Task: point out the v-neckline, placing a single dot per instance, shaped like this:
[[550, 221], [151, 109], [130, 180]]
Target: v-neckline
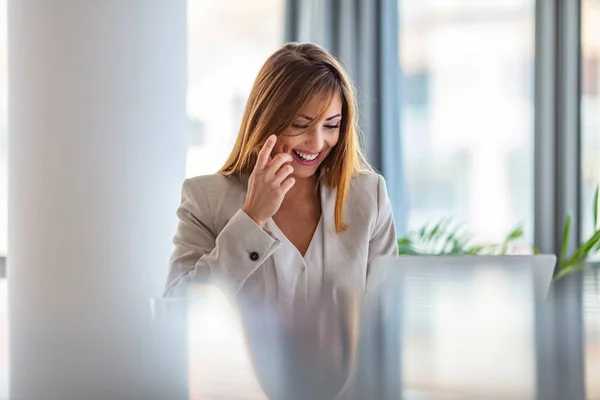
[[319, 226], [312, 239]]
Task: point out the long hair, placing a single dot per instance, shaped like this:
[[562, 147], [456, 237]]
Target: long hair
[[287, 81]]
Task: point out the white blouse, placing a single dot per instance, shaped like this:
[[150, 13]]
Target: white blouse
[[306, 272]]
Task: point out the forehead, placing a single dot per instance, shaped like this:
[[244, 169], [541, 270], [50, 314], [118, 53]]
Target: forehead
[[326, 104]]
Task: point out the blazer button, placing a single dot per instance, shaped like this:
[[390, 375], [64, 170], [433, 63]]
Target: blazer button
[[254, 256]]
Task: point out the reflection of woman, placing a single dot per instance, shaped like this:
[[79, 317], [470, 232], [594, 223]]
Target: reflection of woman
[[296, 207], [308, 356]]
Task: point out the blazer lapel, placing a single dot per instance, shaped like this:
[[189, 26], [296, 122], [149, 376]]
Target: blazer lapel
[[341, 253], [328, 213]]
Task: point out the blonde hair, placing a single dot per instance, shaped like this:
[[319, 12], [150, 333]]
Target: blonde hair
[[287, 81]]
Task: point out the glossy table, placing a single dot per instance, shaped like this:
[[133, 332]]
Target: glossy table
[[443, 333]]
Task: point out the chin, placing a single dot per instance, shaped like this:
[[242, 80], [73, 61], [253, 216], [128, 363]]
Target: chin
[[303, 172], [304, 175]]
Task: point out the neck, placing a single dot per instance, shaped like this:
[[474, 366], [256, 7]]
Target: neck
[[304, 188]]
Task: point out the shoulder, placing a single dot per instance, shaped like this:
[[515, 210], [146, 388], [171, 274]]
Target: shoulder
[[215, 189], [370, 202], [366, 198], [368, 178], [367, 187], [215, 183]]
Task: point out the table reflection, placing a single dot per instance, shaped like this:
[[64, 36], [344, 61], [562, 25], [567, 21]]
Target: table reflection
[[291, 351], [591, 316], [484, 331], [468, 332], [3, 340]]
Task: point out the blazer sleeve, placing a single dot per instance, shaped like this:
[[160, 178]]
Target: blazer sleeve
[[204, 255], [383, 239]]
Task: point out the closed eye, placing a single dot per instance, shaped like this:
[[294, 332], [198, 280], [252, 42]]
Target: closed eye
[[330, 127]]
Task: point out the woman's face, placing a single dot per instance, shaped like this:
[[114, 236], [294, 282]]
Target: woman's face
[[310, 145]]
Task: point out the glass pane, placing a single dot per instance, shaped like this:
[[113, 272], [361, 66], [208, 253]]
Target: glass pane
[[590, 169], [467, 113], [591, 311], [4, 378], [228, 41], [590, 111], [3, 131]]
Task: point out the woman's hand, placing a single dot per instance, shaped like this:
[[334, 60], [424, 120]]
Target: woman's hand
[[268, 183]]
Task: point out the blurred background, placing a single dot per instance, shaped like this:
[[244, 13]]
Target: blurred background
[[466, 108], [465, 112]]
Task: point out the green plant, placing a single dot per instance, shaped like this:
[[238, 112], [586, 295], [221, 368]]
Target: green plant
[[574, 262], [449, 238]]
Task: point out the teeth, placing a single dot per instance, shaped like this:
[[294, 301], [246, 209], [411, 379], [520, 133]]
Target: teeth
[[306, 157]]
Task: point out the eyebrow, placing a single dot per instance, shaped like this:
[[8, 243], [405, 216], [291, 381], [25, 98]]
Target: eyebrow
[[328, 119]]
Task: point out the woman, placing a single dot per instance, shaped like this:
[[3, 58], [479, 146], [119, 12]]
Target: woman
[[295, 208]]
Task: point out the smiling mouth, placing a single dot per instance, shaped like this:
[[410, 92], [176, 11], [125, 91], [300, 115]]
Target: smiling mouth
[[305, 156]]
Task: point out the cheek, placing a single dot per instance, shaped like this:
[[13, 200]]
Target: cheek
[[334, 138], [332, 142], [291, 141], [283, 145]]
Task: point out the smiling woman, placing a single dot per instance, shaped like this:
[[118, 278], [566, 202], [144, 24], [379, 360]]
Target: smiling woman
[[296, 207]]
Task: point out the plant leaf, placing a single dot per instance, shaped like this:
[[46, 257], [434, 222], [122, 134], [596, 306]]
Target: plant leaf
[[565, 242], [595, 203], [422, 231], [435, 229], [517, 233], [448, 240], [457, 247], [475, 250], [437, 243], [582, 253], [406, 246], [567, 271], [408, 251], [404, 241]]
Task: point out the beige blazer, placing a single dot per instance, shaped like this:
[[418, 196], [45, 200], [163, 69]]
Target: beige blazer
[[217, 242]]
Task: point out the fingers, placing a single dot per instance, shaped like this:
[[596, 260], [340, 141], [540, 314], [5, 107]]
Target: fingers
[[283, 173], [287, 184], [278, 161], [265, 153]]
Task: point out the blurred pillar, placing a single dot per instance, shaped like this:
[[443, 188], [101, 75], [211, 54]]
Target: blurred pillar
[[557, 122], [97, 116]]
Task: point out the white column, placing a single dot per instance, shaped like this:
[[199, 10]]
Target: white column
[[96, 159]]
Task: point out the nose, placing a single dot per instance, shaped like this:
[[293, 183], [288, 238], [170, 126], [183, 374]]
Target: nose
[[316, 139]]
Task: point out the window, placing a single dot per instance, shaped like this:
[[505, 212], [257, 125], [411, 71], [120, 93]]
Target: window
[[3, 130], [467, 113], [4, 378], [228, 41], [590, 169], [590, 111]]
